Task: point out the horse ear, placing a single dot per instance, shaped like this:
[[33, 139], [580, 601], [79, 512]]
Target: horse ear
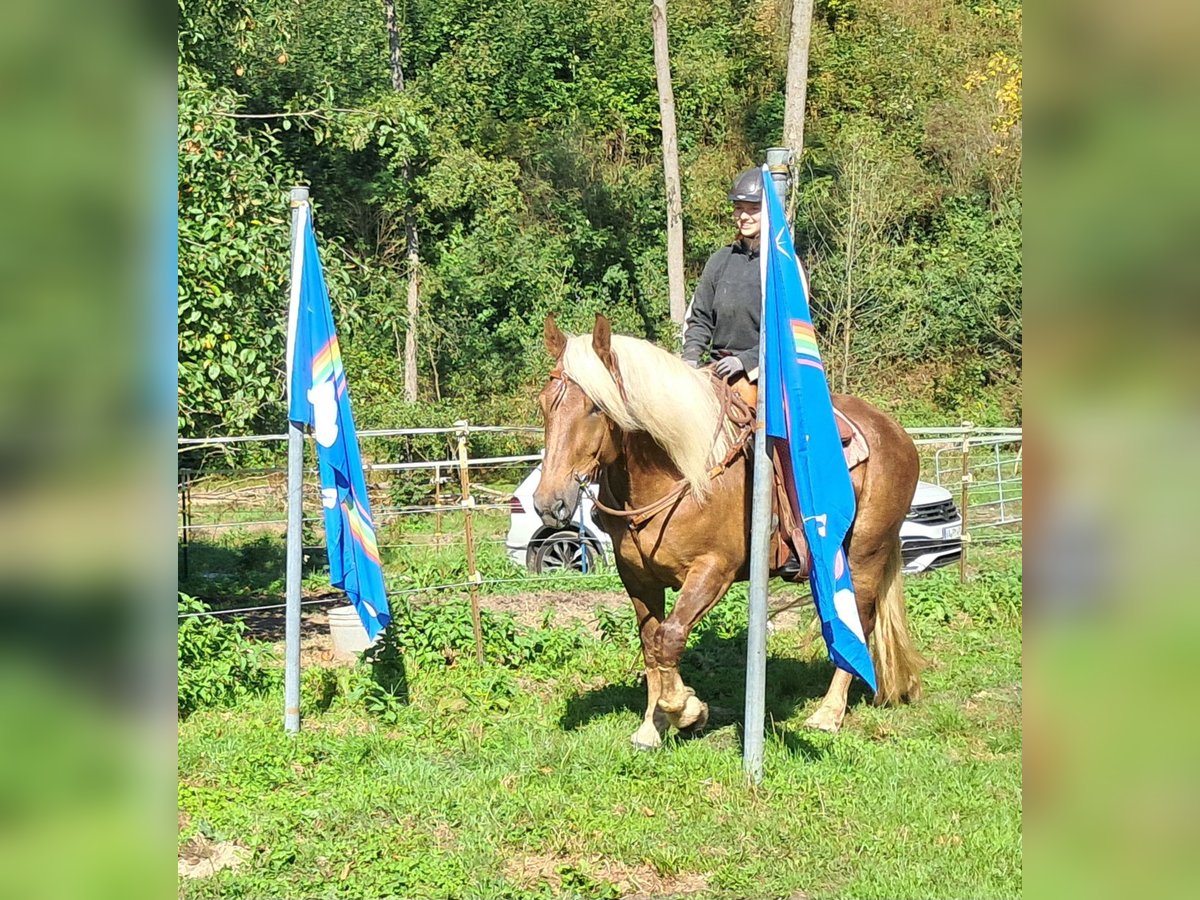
[[602, 341], [556, 341]]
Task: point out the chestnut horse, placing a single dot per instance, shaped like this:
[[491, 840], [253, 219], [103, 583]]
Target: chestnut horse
[[647, 426]]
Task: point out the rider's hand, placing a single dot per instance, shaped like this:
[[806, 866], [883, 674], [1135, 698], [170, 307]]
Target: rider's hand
[[729, 366], [694, 363]]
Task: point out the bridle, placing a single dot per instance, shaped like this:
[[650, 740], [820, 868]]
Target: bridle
[[733, 409], [563, 379]]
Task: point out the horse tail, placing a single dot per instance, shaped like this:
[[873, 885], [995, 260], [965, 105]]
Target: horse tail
[[898, 665]]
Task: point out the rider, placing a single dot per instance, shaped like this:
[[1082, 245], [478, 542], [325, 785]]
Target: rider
[[722, 320]]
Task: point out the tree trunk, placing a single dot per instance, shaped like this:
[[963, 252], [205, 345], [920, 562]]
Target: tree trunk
[[797, 86], [412, 259], [666, 108], [389, 12], [413, 309]]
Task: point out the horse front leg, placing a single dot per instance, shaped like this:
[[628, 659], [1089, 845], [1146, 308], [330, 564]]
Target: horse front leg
[[705, 584], [648, 605]]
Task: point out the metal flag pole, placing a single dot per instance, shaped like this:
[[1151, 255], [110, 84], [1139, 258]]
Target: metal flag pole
[[295, 482], [756, 632], [760, 517]]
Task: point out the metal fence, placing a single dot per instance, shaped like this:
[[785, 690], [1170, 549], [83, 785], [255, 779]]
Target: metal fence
[[980, 466]]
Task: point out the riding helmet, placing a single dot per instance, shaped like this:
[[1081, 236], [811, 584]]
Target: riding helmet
[[748, 187]]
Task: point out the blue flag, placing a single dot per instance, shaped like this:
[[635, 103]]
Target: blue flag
[[800, 413], [318, 397]]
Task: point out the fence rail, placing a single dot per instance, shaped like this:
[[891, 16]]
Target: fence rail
[[979, 465]]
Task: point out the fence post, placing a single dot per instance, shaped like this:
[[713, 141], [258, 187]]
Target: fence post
[[437, 506], [464, 480], [186, 511], [966, 485]]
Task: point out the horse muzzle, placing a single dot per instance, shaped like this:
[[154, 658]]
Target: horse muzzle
[[556, 508]]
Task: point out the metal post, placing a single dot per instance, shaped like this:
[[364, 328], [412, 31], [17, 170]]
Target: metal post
[[779, 161], [756, 632], [186, 503], [760, 537], [295, 470], [437, 505], [468, 501], [966, 484], [999, 480]]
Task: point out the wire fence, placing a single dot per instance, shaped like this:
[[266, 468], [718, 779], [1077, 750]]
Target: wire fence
[[424, 508]]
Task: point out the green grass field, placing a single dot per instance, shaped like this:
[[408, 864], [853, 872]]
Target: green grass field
[[516, 779]]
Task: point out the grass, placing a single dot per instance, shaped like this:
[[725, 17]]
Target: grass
[[520, 782]]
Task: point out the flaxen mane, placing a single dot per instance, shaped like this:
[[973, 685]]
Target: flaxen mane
[[664, 397]]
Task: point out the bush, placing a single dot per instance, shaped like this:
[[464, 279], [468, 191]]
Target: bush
[[442, 633], [218, 665]]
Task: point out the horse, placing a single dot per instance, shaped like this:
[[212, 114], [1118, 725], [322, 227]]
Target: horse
[[651, 431]]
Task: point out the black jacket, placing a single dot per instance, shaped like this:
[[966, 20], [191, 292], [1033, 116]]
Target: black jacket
[[723, 315]]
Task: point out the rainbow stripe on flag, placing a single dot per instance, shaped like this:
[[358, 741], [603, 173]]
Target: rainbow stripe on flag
[[327, 366], [805, 339]]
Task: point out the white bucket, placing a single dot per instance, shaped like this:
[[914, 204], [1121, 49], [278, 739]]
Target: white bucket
[[349, 636]]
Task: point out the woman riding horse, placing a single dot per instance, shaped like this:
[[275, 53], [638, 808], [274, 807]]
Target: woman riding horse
[[651, 430]]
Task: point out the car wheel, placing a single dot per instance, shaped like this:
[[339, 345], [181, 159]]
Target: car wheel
[[563, 550]]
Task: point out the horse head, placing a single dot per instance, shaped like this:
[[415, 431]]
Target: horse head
[[580, 437]]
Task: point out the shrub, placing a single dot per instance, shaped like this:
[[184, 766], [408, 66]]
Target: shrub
[[218, 665]]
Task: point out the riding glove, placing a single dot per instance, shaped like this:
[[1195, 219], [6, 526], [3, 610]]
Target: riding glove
[[729, 366]]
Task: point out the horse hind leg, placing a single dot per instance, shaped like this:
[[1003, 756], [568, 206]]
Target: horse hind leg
[[879, 592], [869, 574], [649, 611], [829, 715]]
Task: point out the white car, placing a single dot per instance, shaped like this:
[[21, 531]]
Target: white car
[[931, 535]]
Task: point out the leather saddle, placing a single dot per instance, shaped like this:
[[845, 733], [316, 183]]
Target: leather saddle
[[789, 554]]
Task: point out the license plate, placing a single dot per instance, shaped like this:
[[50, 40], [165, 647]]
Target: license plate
[[951, 531]]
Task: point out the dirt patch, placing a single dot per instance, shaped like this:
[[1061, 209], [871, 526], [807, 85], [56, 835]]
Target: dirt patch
[[640, 882], [567, 607], [201, 858], [316, 643]]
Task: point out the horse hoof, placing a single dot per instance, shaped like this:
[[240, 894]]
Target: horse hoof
[[675, 705], [823, 722], [695, 719], [693, 711], [648, 737]]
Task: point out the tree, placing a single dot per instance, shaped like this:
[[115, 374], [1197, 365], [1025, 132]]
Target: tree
[[233, 264], [666, 106], [412, 256], [876, 187], [797, 83]]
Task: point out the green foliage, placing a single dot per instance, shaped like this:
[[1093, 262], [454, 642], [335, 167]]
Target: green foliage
[[497, 782], [525, 148], [218, 665], [233, 263], [617, 625], [442, 634], [993, 595]]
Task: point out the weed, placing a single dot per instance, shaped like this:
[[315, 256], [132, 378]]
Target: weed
[[218, 665]]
